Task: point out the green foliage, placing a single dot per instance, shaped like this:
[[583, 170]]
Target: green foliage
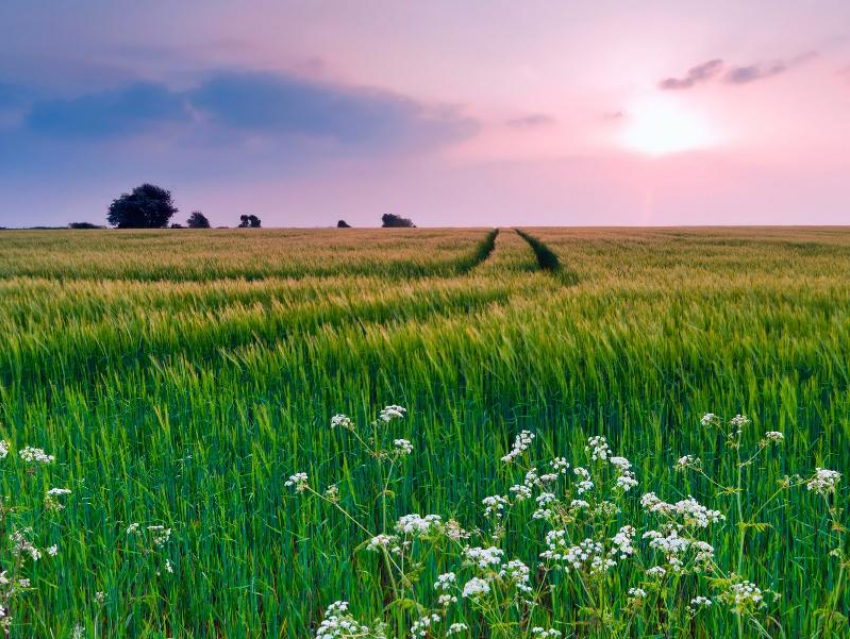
[[147, 207], [198, 220]]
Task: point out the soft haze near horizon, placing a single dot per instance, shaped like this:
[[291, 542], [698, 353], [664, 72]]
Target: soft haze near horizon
[[452, 113]]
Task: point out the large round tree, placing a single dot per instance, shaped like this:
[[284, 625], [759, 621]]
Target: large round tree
[[147, 207]]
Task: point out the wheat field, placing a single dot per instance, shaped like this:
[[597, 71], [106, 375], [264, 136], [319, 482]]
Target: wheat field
[[182, 378]]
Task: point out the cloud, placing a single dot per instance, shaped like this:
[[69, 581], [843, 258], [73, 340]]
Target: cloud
[[531, 121], [754, 72], [128, 110], [291, 105], [613, 116], [260, 106], [744, 74], [696, 75]]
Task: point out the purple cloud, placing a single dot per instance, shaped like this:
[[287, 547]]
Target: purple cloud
[[696, 75], [754, 72], [530, 121], [744, 74]]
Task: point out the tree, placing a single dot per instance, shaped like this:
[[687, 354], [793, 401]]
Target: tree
[[147, 207], [198, 221], [391, 220], [249, 221], [342, 224], [177, 225]]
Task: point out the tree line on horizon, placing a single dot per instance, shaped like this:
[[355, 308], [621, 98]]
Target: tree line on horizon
[[149, 206]]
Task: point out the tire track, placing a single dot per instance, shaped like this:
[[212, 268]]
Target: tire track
[[481, 253], [548, 260]]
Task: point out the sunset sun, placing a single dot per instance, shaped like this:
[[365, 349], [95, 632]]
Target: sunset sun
[[662, 126]]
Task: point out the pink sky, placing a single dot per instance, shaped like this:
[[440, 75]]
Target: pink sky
[[502, 112]]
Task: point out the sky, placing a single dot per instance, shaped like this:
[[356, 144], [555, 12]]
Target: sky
[[450, 112]]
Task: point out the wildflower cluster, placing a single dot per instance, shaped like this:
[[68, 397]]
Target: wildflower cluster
[[21, 533], [593, 550]]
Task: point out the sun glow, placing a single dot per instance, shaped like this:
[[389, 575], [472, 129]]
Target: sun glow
[[663, 126]]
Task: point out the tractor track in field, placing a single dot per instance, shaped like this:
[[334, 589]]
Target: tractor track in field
[[548, 260], [482, 252]]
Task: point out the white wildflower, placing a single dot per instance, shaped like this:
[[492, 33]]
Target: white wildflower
[[342, 421], [494, 505], [620, 463], [391, 412], [381, 542], [521, 444], [298, 481], [687, 461], [585, 484], [416, 525], [402, 446], [598, 448], [446, 581], [626, 481], [35, 455], [559, 464], [446, 600], [743, 597], [739, 421], [518, 573], [623, 541], [824, 481], [484, 558], [159, 535], [420, 626], [475, 587]]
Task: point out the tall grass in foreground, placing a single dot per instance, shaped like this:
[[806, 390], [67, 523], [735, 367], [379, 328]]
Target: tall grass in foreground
[[187, 402]]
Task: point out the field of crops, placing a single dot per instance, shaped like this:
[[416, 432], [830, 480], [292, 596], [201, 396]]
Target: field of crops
[[183, 379]]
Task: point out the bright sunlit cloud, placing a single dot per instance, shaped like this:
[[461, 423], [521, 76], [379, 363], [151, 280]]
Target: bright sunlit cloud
[[662, 126]]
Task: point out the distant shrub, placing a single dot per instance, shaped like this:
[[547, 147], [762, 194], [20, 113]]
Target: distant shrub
[[198, 221], [391, 220], [342, 224], [177, 225], [249, 221], [84, 225]]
